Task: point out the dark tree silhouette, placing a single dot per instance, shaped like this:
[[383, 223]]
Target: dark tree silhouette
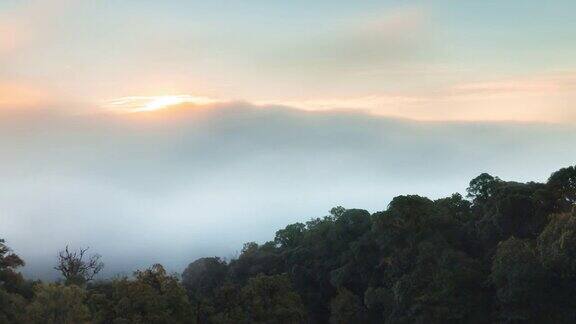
[[507, 254], [77, 267], [562, 185]]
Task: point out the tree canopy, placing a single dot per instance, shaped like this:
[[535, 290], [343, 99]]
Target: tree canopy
[[504, 254]]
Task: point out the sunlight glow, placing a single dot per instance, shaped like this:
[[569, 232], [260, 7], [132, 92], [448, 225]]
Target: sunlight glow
[[152, 103]]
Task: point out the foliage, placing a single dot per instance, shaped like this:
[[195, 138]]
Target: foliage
[[12, 307], [270, 299], [152, 296], [10, 279], [557, 245], [13, 288], [562, 185], [507, 255], [346, 308], [58, 304], [203, 276], [520, 281]]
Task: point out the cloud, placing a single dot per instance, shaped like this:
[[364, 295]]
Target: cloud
[[397, 24], [388, 105], [395, 36], [545, 98], [25, 24], [28, 29], [15, 95], [151, 103], [10, 38], [173, 185]]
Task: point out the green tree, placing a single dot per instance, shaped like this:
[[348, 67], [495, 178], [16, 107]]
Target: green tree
[[337, 211], [379, 303], [271, 299], [58, 304], [203, 276], [347, 308], [256, 259], [153, 297], [521, 282], [451, 287], [229, 307], [290, 236], [457, 207], [100, 300], [12, 286], [557, 252], [557, 245], [482, 187], [562, 185], [11, 307], [201, 279], [10, 278]]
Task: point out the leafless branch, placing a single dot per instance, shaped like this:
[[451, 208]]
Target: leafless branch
[[77, 266]]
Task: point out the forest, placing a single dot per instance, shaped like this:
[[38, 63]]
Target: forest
[[505, 252]]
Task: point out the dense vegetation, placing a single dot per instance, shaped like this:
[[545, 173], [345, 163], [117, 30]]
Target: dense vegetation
[[505, 254]]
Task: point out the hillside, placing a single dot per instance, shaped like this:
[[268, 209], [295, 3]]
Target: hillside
[[504, 253]]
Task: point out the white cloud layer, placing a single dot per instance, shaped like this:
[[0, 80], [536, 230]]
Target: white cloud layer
[[173, 185]]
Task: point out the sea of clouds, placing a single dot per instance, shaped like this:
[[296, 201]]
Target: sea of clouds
[[189, 182]]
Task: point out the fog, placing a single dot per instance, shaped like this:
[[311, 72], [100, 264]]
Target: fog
[[176, 185]]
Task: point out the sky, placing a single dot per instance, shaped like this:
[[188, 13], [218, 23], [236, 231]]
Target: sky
[[163, 131], [424, 60]]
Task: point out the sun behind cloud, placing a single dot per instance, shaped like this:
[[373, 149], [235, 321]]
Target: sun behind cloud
[[135, 104]]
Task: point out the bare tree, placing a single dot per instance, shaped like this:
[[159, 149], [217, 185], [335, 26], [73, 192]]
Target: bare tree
[[77, 267]]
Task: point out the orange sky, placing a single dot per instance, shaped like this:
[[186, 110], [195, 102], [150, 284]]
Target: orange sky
[[426, 61]]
